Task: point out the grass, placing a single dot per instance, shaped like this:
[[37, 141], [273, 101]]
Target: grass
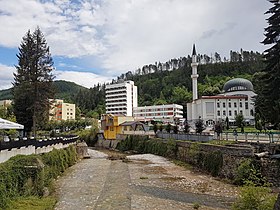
[[32, 202], [183, 164], [221, 142]]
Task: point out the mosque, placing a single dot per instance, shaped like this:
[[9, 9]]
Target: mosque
[[237, 97]]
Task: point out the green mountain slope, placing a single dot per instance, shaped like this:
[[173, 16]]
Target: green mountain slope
[[6, 94], [64, 90]]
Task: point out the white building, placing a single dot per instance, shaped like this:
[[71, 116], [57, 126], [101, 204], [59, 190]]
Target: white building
[[237, 97], [166, 113], [121, 98], [61, 111], [5, 103]]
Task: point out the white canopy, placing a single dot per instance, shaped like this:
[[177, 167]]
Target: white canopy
[[6, 124]]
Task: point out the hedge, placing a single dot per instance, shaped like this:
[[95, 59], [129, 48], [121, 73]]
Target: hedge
[[28, 175]]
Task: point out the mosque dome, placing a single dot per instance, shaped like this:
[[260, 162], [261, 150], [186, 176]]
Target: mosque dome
[[237, 84]]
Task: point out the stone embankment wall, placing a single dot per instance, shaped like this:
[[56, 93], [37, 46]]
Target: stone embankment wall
[[232, 155]]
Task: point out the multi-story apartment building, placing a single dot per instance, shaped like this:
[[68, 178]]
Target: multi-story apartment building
[[62, 111], [5, 103], [168, 113], [121, 98]]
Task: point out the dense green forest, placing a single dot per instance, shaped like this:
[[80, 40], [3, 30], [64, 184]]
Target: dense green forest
[[168, 82], [64, 90]]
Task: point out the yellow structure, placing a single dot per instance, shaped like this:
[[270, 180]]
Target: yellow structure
[[111, 125]]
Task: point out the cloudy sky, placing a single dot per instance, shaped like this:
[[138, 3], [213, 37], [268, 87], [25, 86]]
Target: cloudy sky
[[94, 41]]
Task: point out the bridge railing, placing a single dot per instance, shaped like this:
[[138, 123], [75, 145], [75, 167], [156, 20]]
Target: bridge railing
[[28, 146], [267, 137]]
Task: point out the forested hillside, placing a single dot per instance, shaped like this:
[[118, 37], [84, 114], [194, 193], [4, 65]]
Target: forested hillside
[[170, 82], [64, 90]]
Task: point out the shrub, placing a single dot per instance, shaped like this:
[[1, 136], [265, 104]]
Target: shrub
[[27, 175], [255, 198], [90, 135], [171, 150], [213, 162], [142, 144], [248, 173]]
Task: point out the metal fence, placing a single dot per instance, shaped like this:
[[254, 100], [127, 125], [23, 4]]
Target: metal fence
[[25, 142], [268, 137], [250, 137], [185, 137]]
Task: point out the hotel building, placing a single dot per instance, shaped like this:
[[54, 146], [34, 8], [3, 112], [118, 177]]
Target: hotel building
[[121, 98]]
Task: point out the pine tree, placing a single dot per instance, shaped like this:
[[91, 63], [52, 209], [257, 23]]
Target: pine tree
[[268, 99], [33, 81]]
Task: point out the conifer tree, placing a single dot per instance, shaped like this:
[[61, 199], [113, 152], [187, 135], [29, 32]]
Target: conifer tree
[[32, 86], [268, 99], [199, 126]]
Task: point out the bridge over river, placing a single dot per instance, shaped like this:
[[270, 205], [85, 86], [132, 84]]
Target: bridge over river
[[138, 182]]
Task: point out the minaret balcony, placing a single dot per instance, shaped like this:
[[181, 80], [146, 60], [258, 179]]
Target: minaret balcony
[[194, 76], [194, 64]]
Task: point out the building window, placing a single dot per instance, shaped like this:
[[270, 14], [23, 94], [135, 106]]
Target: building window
[[241, 112], [246, 105], [219, 113], [224, 113], [218, 105], [235, 112], [229, 104], [229, 112], [240, 104], [252, 112], [224, 104], [235, 105]]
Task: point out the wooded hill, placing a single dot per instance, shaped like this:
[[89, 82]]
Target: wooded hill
[[159, 84], [64, 89]]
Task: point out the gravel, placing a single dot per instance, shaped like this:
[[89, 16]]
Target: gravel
[[143, 182]]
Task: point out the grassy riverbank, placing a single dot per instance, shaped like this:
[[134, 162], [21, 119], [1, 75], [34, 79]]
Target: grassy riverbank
[[26, 180]]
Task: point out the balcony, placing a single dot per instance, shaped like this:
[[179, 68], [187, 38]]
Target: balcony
[[121, 99]]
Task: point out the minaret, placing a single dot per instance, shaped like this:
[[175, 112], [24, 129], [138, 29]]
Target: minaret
[[194, 75]]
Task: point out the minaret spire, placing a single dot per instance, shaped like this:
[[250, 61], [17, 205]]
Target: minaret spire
[[194, 75], [193, 51]]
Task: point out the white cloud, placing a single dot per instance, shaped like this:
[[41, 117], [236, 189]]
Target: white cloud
[[6, 76], [124, 36], [85, 79]]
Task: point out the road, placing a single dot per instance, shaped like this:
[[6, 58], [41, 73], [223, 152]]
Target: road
[[138, 182]]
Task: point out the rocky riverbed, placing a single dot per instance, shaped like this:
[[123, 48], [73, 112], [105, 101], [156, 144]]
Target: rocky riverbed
[[109, 180]]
